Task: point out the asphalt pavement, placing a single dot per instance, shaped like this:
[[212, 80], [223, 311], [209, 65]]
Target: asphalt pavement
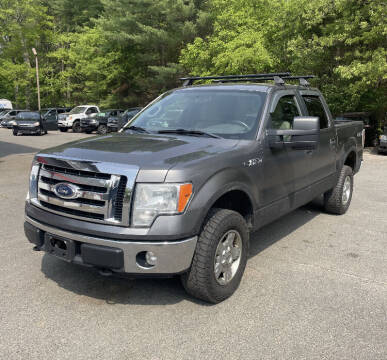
[[315, 287]]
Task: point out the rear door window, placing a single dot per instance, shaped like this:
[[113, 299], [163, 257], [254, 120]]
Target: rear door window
[[316, 108]]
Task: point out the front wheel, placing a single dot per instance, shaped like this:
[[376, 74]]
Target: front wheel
[[102, 129], [77, 127], [338, 199], [63, 129], [220, 257], [15, 132]]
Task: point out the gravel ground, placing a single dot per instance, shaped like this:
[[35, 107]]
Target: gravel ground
[[315, 287]]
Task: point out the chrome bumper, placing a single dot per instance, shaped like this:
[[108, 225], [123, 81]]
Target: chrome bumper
[[173, 257]]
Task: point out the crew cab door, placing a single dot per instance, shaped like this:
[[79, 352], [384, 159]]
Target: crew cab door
[[285, 170], [323, 159]]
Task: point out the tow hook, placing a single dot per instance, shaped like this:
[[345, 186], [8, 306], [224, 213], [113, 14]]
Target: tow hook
[[105, 272]]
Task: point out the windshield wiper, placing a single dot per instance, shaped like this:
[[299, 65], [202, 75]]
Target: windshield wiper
[[188, 132], [137, 128]]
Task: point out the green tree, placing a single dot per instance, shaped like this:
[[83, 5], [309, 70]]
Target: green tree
[[23, 24], [343, 42]]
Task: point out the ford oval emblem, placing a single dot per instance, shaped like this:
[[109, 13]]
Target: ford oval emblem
[[66, 190]]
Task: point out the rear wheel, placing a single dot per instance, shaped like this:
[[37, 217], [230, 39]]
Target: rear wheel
[[88, 131], [338, 199], [63, 129], [15, 132], [77, 127], [102, 129], [220, 257]]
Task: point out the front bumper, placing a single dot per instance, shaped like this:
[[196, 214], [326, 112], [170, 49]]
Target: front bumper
[[27, 130], [113, 127], [173, 257], [63, 125], [86, 126]]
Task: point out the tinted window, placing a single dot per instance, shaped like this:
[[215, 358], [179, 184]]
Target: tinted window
[[284, 113], [315, 108], [227, 113]]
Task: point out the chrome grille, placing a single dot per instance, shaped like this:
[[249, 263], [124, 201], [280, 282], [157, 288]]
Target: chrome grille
[[101, 196]]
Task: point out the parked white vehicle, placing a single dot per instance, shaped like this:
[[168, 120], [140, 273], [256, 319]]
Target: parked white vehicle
[[5, 104], [73, 119]]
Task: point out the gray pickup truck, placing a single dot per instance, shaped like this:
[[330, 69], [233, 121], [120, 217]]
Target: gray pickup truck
[[181, 187]]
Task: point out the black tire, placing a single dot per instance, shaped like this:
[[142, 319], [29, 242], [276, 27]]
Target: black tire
[[200, 280], [40, 132], [77, 127], [63, 129], [333, 199], [88, 131], [102, 129], [15, 132]]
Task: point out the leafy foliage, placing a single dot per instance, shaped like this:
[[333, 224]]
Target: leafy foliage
[[125, 52]]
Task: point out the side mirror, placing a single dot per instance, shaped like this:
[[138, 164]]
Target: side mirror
[[304, 135]]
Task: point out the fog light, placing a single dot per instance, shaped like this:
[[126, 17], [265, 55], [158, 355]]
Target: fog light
[[151, 258]]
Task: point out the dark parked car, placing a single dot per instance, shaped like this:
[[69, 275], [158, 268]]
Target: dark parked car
[[382, 147], [8, 116], [181, 187], [51, 116], [115, 123], [99, 122], [29, 123]]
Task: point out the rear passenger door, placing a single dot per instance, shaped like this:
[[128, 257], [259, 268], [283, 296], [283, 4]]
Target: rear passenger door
[[323, 159]]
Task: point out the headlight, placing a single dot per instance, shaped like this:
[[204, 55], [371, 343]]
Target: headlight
[[151, 200], [70, 117], [33, 188], [36, 123]]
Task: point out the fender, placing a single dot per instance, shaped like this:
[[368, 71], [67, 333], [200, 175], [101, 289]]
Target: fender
[[216, 186], [343, 153]]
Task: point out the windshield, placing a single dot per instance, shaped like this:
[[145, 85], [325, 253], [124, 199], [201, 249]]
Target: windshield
[[78, 110], [28, 115], [230, 114]]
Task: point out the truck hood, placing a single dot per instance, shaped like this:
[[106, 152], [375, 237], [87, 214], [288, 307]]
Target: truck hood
[[147, 151]]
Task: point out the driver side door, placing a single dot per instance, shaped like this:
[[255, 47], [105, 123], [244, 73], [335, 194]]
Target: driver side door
[[285, 170], [51, 120]]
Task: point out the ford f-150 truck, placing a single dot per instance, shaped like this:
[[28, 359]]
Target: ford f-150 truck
[[73, 119], [179, 189]]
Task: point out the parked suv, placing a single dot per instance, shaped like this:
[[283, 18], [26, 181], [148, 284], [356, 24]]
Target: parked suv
[[29, 123], [115, 123], [73, 120], [181, 187], [99, 123]]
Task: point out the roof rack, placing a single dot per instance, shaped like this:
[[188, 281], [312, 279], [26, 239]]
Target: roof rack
[[190, 80], [279, 80]]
